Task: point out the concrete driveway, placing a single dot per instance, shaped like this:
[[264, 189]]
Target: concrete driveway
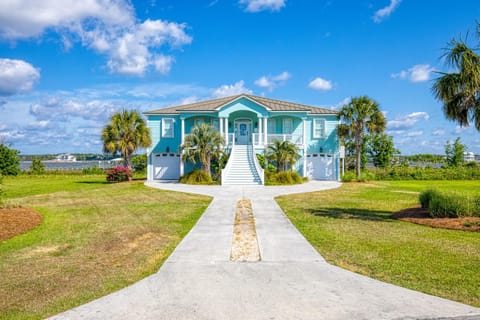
[[292, 281]]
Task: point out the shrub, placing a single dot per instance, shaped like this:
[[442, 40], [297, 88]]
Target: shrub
[[365, 176], [37, 167], [282, 178], [349, 176], [9, 161], [426, 197], [449, 204], [139, 163], [196, 177], [119, 174], [93, 170]]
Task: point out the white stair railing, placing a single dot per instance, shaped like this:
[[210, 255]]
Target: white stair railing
[[260, 170], [229, 164]]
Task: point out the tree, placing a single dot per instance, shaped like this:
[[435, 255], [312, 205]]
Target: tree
[[283, 153], [126, 133], [360, 117], [459, 91], [139, 163], [37, 167], [381, 149], [203, 144], [455, 153], [9, 161]]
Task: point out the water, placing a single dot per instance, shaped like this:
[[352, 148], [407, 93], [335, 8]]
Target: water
[[74, 165]]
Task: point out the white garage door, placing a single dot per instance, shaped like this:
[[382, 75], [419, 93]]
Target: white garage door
[[166, 166], [321, 166]]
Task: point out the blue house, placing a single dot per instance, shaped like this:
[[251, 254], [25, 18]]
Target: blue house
[[248, 123]]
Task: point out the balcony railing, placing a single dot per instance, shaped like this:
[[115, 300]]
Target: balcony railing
[[295, 138]]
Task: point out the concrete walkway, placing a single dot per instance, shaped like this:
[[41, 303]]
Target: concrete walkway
[[292, 281]]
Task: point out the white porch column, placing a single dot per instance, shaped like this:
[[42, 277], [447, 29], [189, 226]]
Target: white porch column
[[182, 135], [182, 132], [265, 130], [260, 130], [226, 131], [304, 122], [220, 120]]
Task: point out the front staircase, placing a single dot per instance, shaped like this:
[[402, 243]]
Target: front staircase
[[241, 168]]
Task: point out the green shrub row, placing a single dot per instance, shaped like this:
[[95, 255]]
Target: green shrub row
[[418, 173], [441, 204], [282, 178]]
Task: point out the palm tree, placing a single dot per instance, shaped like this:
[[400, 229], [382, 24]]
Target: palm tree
[[283, 153], [203, 144], [126, 132], [460, 91], [361, 116]]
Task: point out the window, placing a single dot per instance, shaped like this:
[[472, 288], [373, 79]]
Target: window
[[318, 128], [215, 124], [167, 128], [287, 126], [272, 123]]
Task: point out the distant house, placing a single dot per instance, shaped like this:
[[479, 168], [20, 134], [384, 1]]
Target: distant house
[[468, 157], [248, 123], [66, 157]]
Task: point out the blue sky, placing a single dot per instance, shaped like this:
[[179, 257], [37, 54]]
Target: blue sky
[[66, 66]]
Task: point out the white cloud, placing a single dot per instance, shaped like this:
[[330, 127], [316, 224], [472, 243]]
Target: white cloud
[[438, 132], [386, 11], [231, 90], [408, 121], [263, 5], [17, 76], [417, 133], [270, 82], [417, 73], [60, 110], [320, 84], [107, 26]]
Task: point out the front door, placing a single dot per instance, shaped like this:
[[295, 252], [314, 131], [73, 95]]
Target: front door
[[243, 131]]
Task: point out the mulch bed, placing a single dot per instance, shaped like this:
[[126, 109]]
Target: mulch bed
[[15, 221], [419, 215]]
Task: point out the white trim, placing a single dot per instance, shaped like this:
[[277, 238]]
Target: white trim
[[172, 121], [243, 96], [265, 130], [314, 127]]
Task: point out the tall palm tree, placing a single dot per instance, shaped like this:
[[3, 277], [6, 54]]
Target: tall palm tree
[[360, 117], [283, 153], [203, 144], [126, 132], [460, 91]]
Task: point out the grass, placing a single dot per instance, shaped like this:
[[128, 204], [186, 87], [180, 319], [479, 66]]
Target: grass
[[352, 228], [95, 238]]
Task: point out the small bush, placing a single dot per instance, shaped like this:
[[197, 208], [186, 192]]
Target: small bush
[[426, 197], [283, 178], [119, 174], [196, 177], [449, 204], [37, 167], [365, 176]]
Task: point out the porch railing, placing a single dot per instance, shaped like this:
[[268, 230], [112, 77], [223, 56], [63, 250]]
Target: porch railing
[[231, 139], [295, 138]]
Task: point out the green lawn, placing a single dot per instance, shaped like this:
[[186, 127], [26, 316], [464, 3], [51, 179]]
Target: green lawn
[[95, 238], [351, 227]]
